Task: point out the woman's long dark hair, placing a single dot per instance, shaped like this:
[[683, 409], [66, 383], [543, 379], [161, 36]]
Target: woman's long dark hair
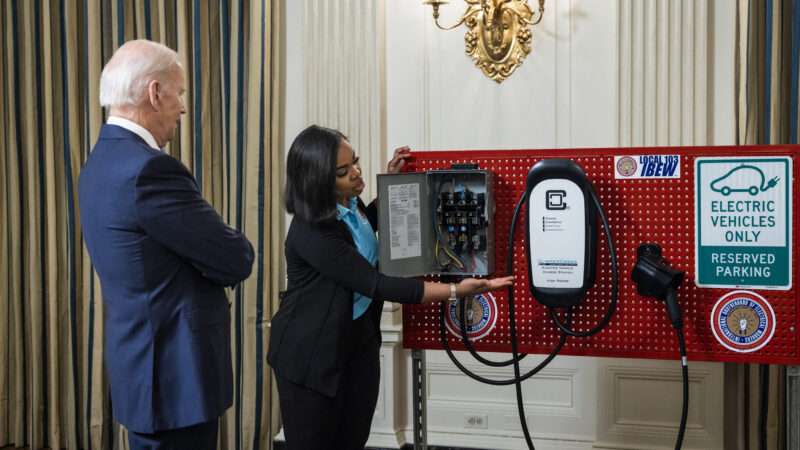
[[311, 174]]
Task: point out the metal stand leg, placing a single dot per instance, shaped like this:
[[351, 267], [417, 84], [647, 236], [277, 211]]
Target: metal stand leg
[[793, 407], [420, 406]]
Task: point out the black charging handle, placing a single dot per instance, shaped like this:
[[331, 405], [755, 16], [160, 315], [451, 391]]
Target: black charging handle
[[654, 277]]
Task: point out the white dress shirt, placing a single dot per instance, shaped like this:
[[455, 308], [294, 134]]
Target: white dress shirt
[[134, 128]]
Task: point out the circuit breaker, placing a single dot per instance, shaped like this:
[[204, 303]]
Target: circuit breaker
[[439, 222]]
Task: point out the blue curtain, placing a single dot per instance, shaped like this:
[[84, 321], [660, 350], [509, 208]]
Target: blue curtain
[[53, 391]]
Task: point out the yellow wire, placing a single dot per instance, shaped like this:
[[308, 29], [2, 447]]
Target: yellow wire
[[454, 259]]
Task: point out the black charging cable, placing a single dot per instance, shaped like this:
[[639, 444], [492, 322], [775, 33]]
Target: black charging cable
[[509, 265], [481, 379], [515, 355], [612, 306], [673, 310], [564, 327], [654, 277], [512, 327]]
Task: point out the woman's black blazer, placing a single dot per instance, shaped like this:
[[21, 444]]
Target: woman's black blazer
[[313, 334]]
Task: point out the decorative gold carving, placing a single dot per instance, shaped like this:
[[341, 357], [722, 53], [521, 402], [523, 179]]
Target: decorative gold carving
[[498, 37]]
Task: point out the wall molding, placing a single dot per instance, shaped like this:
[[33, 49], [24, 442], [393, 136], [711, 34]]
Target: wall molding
[[623, 420], [345, 81], [562, 403], [664, 83], [389, 423]]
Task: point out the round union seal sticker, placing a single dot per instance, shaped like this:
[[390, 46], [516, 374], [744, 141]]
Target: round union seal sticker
[[626, 166], [743, 321], [481, 316]]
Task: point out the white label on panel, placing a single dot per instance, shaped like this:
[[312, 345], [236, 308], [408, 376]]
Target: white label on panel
[[404, 221]]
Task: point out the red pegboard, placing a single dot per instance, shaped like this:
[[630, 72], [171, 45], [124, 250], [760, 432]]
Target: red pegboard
[[645, 210]]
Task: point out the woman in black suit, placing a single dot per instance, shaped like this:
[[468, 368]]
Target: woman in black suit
[[325, 337]]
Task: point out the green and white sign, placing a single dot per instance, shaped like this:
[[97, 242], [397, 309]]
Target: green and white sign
[[743, 222]]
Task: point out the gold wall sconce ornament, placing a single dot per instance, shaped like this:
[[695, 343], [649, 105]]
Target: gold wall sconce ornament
[[498, 36]]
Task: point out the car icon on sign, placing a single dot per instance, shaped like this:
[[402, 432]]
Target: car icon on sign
[[750, 179]]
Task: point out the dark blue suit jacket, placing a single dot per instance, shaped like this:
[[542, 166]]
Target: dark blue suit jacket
[[163, 256]]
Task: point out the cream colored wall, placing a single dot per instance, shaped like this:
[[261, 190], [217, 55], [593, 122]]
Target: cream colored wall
[[602, 73]]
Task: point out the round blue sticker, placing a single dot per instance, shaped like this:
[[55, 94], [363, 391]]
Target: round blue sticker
[[743, 321], [481, 315]]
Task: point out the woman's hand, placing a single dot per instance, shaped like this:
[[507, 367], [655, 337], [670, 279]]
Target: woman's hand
[[436, 292], [398, 160], [475, 286]]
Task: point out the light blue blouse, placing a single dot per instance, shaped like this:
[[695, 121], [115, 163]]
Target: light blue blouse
[[366, 243]]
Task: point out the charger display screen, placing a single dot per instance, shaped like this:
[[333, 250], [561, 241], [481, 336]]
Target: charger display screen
[[557, 221]]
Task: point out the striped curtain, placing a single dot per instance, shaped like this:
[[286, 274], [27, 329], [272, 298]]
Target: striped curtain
[[767, 83], [53, 390], [768, 71]]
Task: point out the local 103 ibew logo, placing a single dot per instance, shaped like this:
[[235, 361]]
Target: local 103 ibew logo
[[480, 312], [633, 167]]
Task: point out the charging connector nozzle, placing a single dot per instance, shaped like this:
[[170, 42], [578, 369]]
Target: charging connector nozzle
[[654, 277]]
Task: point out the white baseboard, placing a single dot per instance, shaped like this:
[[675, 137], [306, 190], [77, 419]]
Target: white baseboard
[[506, 441]]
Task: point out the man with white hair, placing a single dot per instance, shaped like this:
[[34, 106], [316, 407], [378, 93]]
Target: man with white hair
[[163, 256]]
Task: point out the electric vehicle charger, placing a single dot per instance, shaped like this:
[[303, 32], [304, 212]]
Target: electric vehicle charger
[[562, 237], [655, 278], [562, 228], [557, 179]]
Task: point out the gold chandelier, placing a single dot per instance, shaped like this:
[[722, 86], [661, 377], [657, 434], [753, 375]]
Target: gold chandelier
[[498, 36]]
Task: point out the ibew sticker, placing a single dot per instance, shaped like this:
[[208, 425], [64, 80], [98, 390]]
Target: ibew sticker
[[633, 167], [743, 321], [481, 315]]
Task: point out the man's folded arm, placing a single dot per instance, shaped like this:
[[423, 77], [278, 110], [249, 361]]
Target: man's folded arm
[[172, 211]]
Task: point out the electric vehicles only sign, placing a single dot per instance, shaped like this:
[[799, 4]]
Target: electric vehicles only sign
[[743, 222]]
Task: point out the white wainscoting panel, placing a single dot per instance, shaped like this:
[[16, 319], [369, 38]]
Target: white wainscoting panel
[[559, 406], [640, 406], [390, 420]]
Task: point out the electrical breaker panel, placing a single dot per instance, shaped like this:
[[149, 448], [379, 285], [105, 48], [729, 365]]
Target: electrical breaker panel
[[439, 222]]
